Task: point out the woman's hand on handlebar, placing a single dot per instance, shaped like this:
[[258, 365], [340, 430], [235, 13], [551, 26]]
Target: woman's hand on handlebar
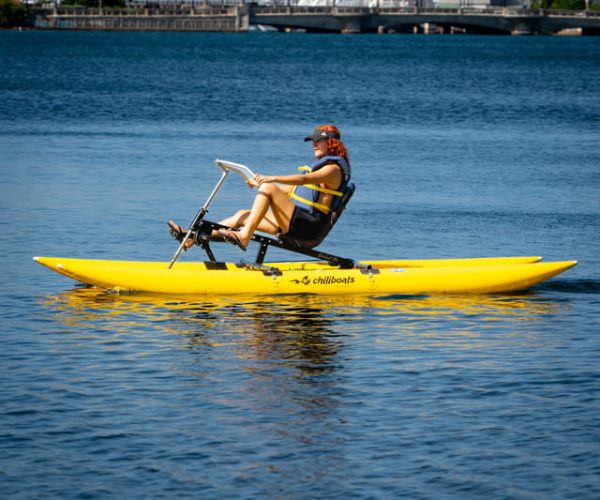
[[259, 179]]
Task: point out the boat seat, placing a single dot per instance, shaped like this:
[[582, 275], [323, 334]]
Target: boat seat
[[334, 216]]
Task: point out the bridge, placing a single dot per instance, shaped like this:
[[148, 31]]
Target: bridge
[[517, 21], [240, 16]]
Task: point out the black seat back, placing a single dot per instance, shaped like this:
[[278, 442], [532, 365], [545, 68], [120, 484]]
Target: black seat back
[[334, 216]]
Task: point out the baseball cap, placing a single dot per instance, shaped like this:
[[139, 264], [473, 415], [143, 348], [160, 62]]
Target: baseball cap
[[319, 135]]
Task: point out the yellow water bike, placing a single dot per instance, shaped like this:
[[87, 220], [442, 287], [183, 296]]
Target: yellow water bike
[[325, 273]]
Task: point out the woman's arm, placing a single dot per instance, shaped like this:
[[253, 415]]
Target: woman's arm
[[329, 174]]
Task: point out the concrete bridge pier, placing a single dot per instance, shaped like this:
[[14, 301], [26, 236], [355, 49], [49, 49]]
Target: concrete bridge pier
[[242, 17], [522, 28], [351, 25]]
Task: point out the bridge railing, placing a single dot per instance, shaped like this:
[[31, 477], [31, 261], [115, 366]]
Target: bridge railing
[[570, 13], [138, 10]]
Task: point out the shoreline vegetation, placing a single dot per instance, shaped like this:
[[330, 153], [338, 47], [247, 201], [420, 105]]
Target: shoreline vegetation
[[13, 14], [17, 15]]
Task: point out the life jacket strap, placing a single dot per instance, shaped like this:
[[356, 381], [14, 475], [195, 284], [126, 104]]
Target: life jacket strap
[[319, 206], [324, 190]]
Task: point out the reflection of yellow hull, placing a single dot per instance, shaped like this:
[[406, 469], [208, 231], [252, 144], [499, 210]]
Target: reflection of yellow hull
[[384, 277], [211, 320]]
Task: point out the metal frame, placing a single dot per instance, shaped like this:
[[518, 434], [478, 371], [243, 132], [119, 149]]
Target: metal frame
[[204, 229]]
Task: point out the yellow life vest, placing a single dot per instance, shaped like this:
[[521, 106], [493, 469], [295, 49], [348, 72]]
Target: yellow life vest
[[308, 194]]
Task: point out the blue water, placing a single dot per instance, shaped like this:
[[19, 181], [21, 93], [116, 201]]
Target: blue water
[[461, 146]]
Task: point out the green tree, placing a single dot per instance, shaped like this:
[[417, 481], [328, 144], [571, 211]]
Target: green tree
[[568, 4], [558, 4], [12, 13]]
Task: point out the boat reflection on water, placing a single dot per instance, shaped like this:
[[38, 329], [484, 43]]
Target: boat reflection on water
[[299, 330], [307, 327]]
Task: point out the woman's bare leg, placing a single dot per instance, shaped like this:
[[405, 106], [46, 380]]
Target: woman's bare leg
[[269, 196], [268, 224], [271, 213], [236, 220]]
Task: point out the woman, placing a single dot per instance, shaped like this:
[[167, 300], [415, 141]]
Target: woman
[[296, 205]]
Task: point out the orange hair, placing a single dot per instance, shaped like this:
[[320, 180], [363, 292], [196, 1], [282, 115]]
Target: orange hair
[[335, 147]]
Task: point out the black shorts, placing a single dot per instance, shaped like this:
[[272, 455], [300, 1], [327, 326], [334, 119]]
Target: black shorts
[[306, 225]]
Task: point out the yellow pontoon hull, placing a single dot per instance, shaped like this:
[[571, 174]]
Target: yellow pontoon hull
[[484, 275]]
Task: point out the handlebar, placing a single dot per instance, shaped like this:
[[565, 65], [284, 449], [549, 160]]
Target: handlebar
[[229, 166]]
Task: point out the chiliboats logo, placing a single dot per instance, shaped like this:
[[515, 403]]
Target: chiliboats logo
[[325, 280], [303, 281]]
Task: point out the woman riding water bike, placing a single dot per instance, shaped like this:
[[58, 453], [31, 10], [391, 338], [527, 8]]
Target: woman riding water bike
[[298, 205]]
